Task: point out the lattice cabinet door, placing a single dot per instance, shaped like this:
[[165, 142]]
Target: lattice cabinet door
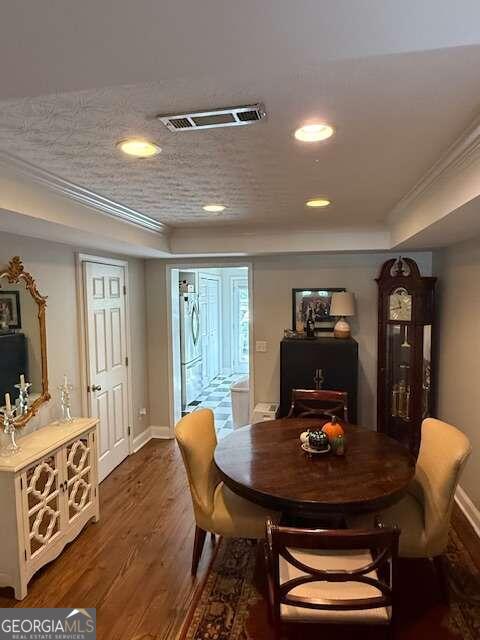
[[42, 489], [80, 475]]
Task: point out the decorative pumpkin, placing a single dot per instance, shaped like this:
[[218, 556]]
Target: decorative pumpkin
[[333, 429], [338, 445], [318, 440], [304, 437]]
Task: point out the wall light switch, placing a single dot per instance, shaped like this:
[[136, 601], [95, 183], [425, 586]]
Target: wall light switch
[[261, 346], [142, 412]]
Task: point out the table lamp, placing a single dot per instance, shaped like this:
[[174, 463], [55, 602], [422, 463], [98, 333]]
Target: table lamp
[[342, 306]]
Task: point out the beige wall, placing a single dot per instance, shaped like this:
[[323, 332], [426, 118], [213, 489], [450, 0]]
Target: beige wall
[[458, 269], [53, 267], [274, 277], [138, 333], [157, 340]]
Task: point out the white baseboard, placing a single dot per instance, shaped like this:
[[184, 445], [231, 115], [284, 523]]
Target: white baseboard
[[161, 432], [148, 434], [469, 509], [141, 440]]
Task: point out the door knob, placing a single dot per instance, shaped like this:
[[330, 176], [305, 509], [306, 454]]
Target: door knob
[[96, 387]]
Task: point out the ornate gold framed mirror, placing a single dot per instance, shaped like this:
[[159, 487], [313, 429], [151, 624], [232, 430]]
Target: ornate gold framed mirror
[[23, 342]]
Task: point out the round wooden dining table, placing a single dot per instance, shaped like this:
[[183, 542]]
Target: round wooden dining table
[[265, 463]]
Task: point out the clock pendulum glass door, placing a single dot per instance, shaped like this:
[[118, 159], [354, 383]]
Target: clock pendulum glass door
[[426, 369], [405, 343], [399, 360]]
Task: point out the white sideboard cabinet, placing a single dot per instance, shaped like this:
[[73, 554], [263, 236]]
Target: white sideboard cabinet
[[48, 493]]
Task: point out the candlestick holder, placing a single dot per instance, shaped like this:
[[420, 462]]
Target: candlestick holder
[[65, 400], [10, 447], [23, 393]]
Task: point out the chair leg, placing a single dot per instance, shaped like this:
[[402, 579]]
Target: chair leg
[[439, 562], [197, 548], [390, 633], [278, 630]]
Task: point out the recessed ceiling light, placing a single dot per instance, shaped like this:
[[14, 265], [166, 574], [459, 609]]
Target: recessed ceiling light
[[314, 132], [318, 202], [214, 208], [138, 147]]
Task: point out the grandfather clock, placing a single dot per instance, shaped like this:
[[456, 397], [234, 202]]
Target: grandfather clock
[[405, 341]]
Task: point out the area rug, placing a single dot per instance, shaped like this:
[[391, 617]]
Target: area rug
[[231, 605]]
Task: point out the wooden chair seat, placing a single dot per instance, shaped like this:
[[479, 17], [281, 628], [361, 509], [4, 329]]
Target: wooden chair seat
[[321, 590]]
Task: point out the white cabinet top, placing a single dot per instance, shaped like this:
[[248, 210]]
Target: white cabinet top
[[43, 441]]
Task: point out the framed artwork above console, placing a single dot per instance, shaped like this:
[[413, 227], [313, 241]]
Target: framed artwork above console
[[315, 303], [10, 316]]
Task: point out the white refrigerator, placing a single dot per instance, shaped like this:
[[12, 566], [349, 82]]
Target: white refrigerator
[[190, 348]]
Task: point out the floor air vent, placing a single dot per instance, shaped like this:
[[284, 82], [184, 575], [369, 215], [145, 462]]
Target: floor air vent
[[231, 117]]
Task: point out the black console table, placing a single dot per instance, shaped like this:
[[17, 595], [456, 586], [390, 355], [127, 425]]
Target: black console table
[[319, 363], [13, 362]]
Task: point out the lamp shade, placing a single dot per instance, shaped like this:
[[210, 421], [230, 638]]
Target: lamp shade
[[343, 304]]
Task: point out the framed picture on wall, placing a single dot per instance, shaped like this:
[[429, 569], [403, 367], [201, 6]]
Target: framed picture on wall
[[10, 310], [314, 301]]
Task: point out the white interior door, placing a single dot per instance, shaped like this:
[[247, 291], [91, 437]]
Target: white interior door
[[214, 326], [240, 325], [210, 326], [203, 308], [107, 364]]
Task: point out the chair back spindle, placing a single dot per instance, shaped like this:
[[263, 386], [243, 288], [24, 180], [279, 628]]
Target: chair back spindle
[[310, 403], [292, 545]]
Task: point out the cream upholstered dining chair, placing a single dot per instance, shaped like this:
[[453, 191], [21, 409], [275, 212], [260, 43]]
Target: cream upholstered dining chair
[[424, 513], [217, 509], [331, 576]]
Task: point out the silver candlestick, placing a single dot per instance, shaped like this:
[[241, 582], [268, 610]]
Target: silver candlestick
[[23, 392], [10, 447], [65, 400]]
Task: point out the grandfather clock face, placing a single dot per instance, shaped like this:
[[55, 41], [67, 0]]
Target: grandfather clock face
[[400, 305]]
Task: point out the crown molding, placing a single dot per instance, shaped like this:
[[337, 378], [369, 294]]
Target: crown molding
[[460, 154], [81, 194]]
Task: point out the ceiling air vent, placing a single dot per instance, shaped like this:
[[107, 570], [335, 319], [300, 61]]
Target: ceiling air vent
[[181, 123], [231, 117]]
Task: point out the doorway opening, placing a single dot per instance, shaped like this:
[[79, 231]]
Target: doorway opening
[[211, 343]]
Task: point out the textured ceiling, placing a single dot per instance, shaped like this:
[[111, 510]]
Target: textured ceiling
[[394, 116]]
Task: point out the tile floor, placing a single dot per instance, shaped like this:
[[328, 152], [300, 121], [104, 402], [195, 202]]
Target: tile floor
[[217, 397]]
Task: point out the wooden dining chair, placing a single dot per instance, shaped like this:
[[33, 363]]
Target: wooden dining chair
[[310, 403], [331, 576]]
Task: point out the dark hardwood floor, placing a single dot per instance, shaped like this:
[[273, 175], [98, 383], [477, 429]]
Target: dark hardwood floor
[[134, 565], [466, 534]]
